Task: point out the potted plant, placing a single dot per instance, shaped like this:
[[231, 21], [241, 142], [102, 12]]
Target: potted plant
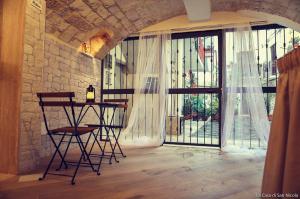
[[205, 107]]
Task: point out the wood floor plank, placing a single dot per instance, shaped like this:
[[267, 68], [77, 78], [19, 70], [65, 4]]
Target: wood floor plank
[[162, 172]]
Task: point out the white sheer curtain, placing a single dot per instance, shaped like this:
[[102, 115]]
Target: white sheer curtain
[[245, 110], [146, 125]]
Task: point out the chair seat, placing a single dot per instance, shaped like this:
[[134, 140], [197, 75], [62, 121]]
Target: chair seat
[[80, 130], [105, 125]]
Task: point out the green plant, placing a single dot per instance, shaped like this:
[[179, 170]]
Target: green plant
[[202, 105], [186, 109]]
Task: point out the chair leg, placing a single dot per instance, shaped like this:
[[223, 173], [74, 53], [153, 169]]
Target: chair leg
[[117, 138], [101, 157], [64, 156], [84, 150], [95, 141], [117, 143], [112, 152], [98, 143], [76, 170], [59, 153], [53, 156], [91, 149], [107, 130], [120, 149]]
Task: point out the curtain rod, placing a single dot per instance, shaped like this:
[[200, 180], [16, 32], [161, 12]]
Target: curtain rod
[[199, 28]]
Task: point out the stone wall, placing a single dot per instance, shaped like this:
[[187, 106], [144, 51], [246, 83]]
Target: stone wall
[[49, 65], [66, 69], [30, 139]]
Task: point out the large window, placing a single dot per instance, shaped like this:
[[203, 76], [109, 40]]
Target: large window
[[196, 78], [270, 42]]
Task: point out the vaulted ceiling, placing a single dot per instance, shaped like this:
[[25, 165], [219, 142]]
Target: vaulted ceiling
[[75, 21]]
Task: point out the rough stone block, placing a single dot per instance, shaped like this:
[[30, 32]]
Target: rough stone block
[[28, 49], [68, 33], [102, 12]]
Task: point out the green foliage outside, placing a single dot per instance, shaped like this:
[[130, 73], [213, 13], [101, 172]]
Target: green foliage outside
[[291, 42], [201, 106]]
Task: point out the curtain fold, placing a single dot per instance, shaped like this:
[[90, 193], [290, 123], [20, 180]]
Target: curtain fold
[[151, 86], [245, 110], [282, 166]]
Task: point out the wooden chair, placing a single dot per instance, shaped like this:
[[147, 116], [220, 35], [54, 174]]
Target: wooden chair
[[65, 100]]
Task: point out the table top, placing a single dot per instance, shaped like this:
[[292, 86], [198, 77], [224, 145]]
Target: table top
[[82, 104], [101, 104]]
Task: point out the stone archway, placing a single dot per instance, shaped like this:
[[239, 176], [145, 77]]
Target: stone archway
[[50, 59], [75, 21]]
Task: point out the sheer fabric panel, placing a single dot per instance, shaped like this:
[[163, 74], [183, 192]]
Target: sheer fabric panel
[[244, 100], [151, 86]]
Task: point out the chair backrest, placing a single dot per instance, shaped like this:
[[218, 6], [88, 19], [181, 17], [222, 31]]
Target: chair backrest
[[57, 99], [122, 102], [56, 94], [116, 100]]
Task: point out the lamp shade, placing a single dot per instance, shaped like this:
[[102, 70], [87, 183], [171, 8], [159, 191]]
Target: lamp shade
[[90, 94]]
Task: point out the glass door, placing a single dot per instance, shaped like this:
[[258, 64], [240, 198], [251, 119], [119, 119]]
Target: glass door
[[194, 111]]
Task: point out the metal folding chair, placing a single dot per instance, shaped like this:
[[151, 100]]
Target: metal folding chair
[[115, 129], [71, 131], [112, 131]]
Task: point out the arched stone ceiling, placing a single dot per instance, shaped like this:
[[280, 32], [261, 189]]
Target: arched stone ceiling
[[75, 21]]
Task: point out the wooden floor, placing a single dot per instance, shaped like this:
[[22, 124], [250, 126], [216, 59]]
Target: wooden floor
[[163, 172]]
